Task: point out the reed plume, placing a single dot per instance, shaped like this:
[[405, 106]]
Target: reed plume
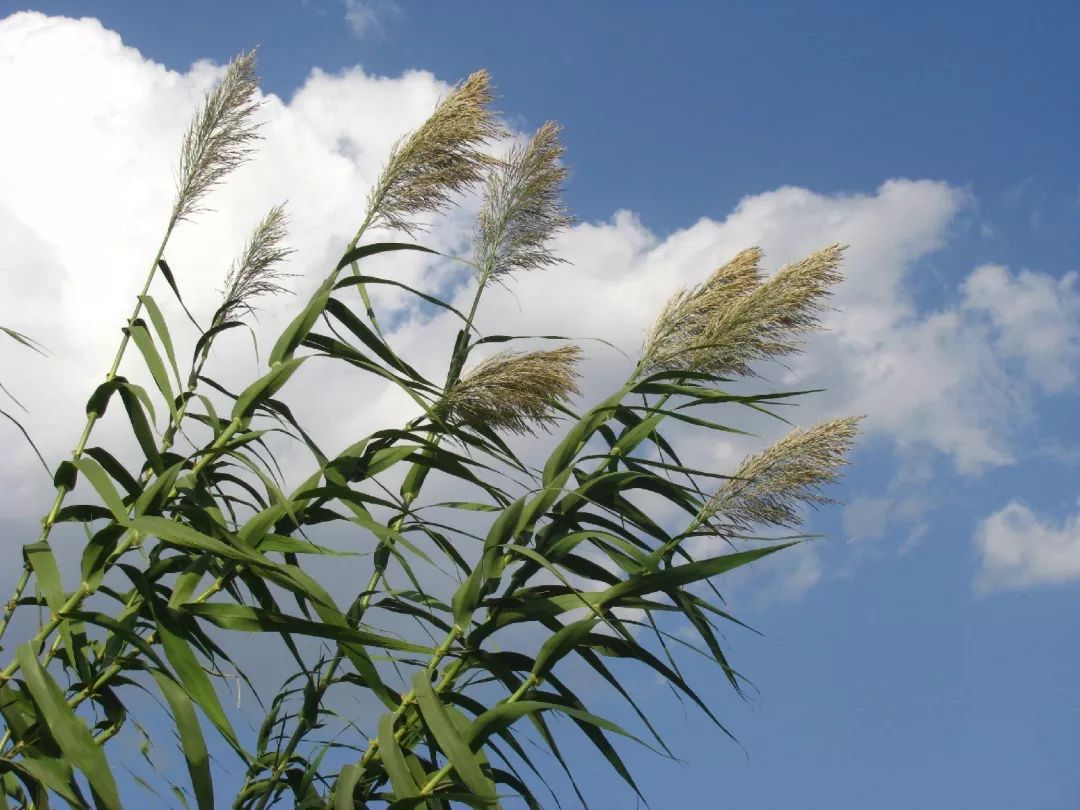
[[220, 136], [733, 319], [514, 391], [523, 207], [768, 487], [257, 271], [440, 159]]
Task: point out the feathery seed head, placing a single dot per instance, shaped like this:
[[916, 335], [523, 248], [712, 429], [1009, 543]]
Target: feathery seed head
[[733, 319], [768, 487], [514, 391], [676, 337], [256, 272], [220, 136], [439, 159], [523, 207]]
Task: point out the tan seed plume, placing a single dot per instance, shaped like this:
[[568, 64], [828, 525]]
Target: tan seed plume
[[514, 391], [257, 272], [768, 487], [523, 207], [438, 160], [220, 137], [732, 320]]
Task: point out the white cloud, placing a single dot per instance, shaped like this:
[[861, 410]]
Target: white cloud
[[1020, 549], [1037, 319]]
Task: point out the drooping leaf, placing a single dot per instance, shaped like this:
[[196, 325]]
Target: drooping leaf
[[70, 733], [191, 739]]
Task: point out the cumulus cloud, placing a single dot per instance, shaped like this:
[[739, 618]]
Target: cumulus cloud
[[1036, 318], [926, 380], [1020, 549], [85, 187]]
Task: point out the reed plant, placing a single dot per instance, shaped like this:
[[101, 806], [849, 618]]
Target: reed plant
[[582, 560]]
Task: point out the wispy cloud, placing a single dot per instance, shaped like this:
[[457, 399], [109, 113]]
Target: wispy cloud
[[866, 518], [368, 18]]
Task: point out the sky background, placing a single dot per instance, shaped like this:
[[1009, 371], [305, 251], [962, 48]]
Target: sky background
[[926, 652]]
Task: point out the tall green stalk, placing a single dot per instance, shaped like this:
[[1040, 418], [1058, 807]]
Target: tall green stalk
[[326, 678], [62, 488], [218, 140]]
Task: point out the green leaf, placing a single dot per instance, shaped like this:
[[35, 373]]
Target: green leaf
[[154, 497], [115, 469], [42, 560], [386, 458], [401, 778], [70, 733], [354, 281], [172, 629], [145, 343], [99, 400], [121, 629], [250, 619], [579, 434], [561, 642], [373, 342], [21, 716], [25, 340], [99, 479], [265, 387], [362, 252], [208, 336], [161, 326], [56, 775], [26, 435], [191, 739], [187, 537], [502, 716], [681, 575], [298, 329], [636, 435], [168, 273], [346, 784], [450, 740], [291, 545], [134, 398], [356, 254], [188, 580]]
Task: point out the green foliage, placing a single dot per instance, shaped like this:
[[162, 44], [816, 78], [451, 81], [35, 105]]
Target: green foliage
[[33, 345], [199, 543]]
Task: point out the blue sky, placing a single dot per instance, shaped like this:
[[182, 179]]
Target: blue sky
[[907, 663]]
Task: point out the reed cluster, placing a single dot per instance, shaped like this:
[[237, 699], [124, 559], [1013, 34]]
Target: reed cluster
[[201, 542]]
